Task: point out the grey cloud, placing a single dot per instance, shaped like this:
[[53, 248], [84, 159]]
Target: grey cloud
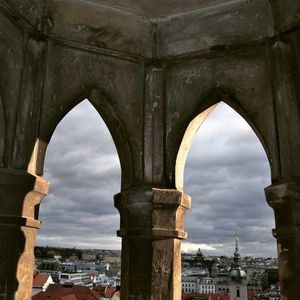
[[83, 168], [225, 174]]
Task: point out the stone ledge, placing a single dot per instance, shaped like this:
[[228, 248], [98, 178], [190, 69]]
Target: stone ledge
[[19, 221], [154, 233], [287, 231], [156, 213], [155, 196], [279, 195], [171, 197]]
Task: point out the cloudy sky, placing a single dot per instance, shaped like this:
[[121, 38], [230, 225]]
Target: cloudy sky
[[225, 173]]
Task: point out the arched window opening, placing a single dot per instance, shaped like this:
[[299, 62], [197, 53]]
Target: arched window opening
[[225, 173], [78, 214]]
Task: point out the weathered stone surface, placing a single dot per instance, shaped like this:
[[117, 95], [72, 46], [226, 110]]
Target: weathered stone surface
[[2, 132], [286, 14], [284, 199], [157, 8], [30, 101], [20, 196], [92, 24], [165, 267], [120, 99], [149, 68], [286, 90], [153, 122], [239, 79], [29, 12], [214, 28], [152, 224], [11, 62]]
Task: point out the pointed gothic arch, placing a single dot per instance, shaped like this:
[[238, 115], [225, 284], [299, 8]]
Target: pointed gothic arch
[[197, 119], [83, 175], [227, 167], [106, 111]]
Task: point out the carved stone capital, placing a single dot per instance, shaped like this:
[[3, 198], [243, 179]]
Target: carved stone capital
[[156, 213], [20, 196], [279, 195], [286, 232], [284, 198]]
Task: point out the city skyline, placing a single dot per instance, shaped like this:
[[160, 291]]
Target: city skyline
[[226, 172]]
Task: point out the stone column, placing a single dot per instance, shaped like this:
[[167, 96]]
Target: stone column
[[152, 226], [20, 196], [284, 198]]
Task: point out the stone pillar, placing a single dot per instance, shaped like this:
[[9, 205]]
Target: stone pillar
[[20, 196], [152, 226], [284, 198]]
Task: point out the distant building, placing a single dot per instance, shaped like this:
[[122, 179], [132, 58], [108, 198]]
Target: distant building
[[270, 277], [222, 287], [105, 292], [206, 286], [67, 291], [254, 289], [41, 283], [192, 296], [112, 259], [73, 257], [68, 267], [193, 284], [201, 261], [49, 266], [238, 285], [84, 279], [89, 255], [274, 292], [189, 284]]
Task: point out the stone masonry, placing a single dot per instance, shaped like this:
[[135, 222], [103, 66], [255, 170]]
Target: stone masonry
[[153, 70]]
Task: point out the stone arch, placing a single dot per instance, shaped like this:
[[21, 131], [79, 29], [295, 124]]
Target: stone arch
[[102, 105], [197, 119]]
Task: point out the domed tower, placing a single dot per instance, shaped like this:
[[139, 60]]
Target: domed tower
[[238, 285], [199, 259]]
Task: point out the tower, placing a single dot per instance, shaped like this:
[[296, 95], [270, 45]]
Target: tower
[[238, 285]]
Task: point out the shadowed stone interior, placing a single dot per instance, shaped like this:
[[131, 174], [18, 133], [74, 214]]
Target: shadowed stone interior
[[149, 68], [157, 8]]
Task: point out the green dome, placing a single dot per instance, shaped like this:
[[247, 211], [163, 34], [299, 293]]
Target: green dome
[[237, 274]]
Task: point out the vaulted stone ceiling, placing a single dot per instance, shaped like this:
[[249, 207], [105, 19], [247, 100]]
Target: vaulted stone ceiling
[[159, 8]]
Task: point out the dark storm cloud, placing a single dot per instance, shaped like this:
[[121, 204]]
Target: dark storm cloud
[[83, 168], [225, 174]]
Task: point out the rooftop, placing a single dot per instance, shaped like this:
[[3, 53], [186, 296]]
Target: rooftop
[[67, 292]]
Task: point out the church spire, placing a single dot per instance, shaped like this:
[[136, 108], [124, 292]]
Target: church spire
[[237, 256], [236, 243], [237, 273]]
